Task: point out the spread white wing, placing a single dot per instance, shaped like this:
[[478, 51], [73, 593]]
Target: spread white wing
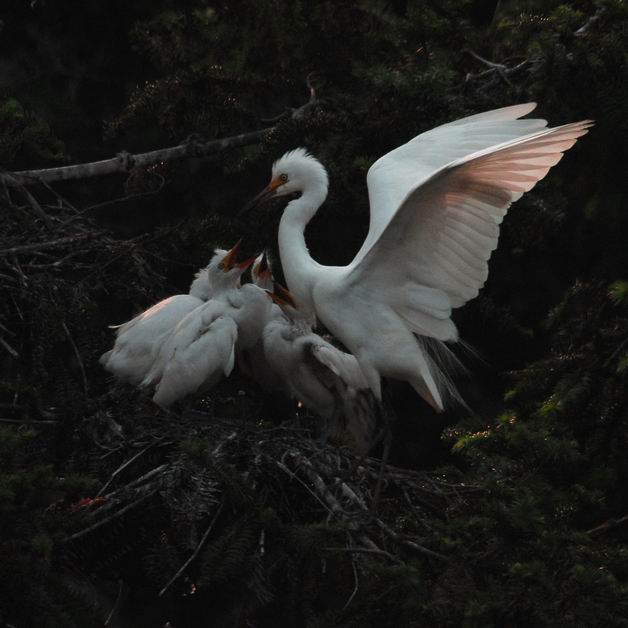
[[436, 206], [392, 177]]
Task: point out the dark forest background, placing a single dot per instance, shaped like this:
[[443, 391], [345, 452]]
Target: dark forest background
[[512, 514]]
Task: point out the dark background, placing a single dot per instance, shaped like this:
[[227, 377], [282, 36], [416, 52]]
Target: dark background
[[81, 81]]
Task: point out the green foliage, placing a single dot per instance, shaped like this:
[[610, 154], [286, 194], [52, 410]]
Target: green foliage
[[26, 140], [31, 530]]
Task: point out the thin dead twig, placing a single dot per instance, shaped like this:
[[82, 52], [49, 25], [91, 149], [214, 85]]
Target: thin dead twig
[[364, 550], [14, 181], [496, 69], [122, 467], [78, 357], [23, 248], [115, 515], [196, 551], [8, 347]]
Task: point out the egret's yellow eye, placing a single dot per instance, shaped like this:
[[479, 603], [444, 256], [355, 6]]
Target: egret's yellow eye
[[283, 177], [221, 265]]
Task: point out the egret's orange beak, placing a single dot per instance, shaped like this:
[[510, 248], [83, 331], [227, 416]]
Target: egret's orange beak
[[283, 295], [277, 299], [263, 197]]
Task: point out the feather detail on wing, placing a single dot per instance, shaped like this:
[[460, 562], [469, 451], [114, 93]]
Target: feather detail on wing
[[433, 253], [428, 251], [392, 177]]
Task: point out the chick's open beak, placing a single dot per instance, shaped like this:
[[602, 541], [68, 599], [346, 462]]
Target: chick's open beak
[[246, 263], [263, 197], [229, 260], [263, 270]]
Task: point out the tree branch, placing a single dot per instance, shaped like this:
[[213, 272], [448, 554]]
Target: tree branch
[[48, 244], [196, 551], [124, 162]]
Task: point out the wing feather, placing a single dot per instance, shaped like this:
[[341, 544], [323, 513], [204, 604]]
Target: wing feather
[[392, 177], [442, 233]]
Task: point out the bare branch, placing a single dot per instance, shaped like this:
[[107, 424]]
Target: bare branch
[[14, 181], [48, 244], [78, 356], [8, 347], [196, 551], [125, 162], [500, 70], [115, 515]]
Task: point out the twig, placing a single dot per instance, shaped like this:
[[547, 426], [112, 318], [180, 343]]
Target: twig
[[116, 606], [115, 515], [356, 586], [399, 539], [363, 550], [27, 422], [49, 244], [608, 525], [284, 468], [78, 356], [140, 160], [121, 199], [123, 467], [584, 29], [8, 347], [196, 551], [14, 181], [125, 161], [502, 70]]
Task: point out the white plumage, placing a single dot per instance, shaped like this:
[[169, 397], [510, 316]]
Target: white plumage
[[436, 205], [195, 354], [133, 352], [325, 379]]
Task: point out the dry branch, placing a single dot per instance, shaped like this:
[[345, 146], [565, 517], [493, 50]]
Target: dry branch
[[37, 246], [125, 162]]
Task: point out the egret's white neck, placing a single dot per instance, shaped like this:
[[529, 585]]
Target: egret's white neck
[[299, 269]]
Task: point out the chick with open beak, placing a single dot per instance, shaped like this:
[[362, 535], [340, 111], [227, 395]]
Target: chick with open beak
[[261, 272]]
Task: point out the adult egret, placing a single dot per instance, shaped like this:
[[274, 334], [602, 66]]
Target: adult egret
[[435, 208], [325, 379], [195, 354], [133, 352]]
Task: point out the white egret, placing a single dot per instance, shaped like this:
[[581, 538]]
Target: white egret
[[134, 349], [435, 208], [325, 379], [196, 353]]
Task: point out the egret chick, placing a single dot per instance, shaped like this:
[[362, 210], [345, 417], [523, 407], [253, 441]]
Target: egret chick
[[325, 379], [201, 349], [136, 340]]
